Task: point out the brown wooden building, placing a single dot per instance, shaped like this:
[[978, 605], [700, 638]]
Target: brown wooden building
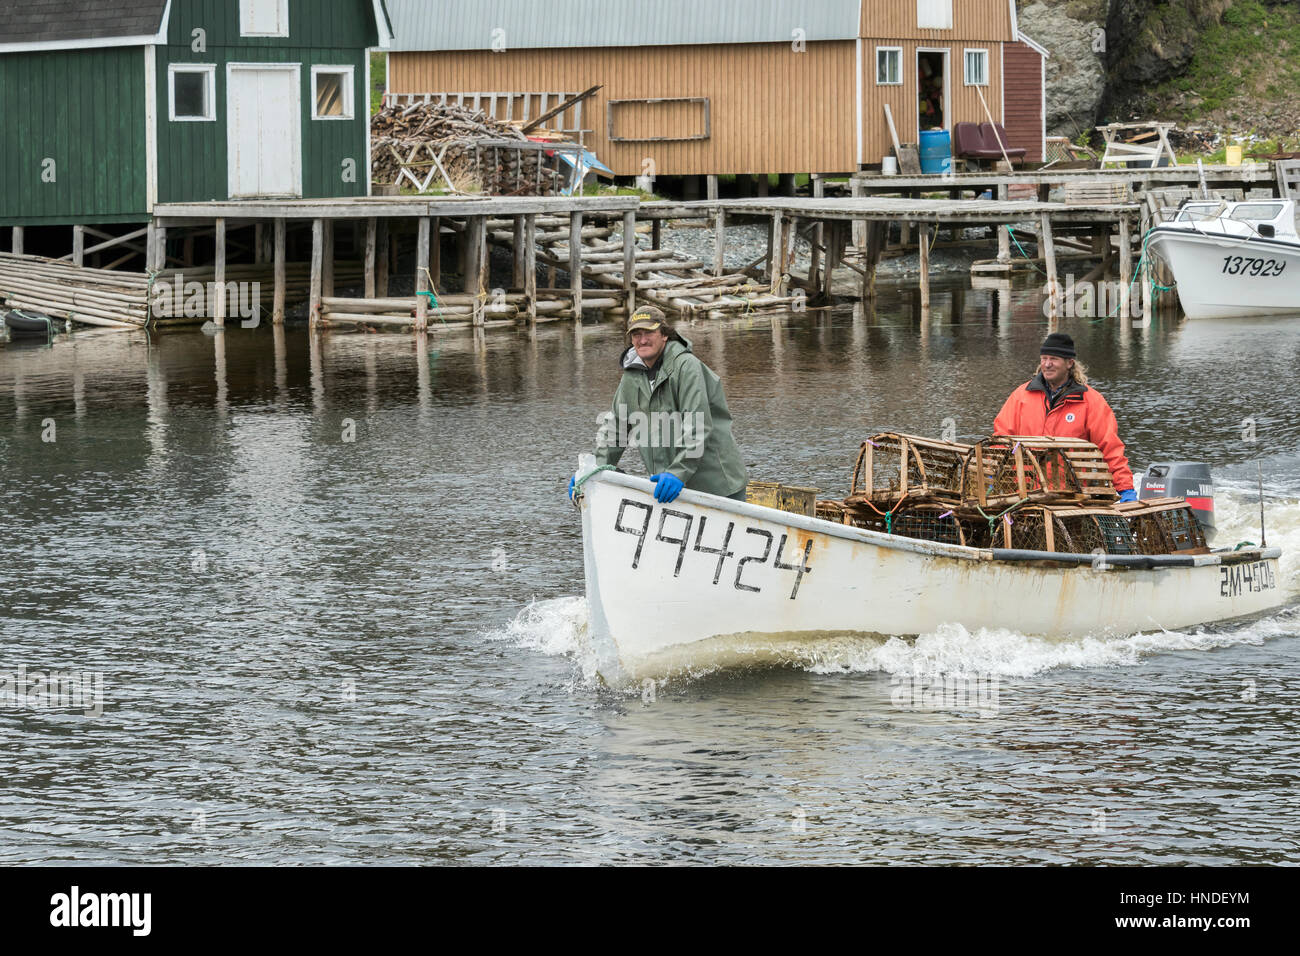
[[704, 87]]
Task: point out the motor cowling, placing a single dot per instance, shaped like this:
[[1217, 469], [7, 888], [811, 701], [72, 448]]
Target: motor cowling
[[1181, 479]]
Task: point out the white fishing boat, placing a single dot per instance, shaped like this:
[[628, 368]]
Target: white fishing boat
[[707, 580], [1232, 259]]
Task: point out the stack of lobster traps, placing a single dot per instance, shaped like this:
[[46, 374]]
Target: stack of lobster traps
[[1013, 492]]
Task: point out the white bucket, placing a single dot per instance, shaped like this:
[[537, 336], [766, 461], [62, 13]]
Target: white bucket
[[889, 166]]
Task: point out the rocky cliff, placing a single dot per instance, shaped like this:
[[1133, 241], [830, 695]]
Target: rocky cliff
[[1233, 64]]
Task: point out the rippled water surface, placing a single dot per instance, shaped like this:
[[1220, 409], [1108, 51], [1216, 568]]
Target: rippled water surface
[[334, 594]]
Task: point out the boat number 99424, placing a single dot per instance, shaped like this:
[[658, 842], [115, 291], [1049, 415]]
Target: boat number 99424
[[1247, 266], [1245, 578], [674, 529]]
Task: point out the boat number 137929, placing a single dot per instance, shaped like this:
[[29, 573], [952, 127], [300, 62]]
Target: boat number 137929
[[1247, 266]]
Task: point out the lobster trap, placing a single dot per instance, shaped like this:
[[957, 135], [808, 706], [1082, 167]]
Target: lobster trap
[[1064, 530], [1164, 526], [933, 521], [891, 467], [1006, 469]]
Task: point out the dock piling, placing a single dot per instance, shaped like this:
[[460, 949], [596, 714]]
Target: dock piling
[[923, 242], [277, 260], [422, 274], [371, 240], [317, 256], [629, 259], [219, 275], [575, 266]]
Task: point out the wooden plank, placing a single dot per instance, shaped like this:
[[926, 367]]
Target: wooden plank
[[277, 265], [1049, 258], [923, 242], [17, 245], [78, 246]]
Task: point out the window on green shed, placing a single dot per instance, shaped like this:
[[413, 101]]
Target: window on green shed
[[264, 18], [191, 92], [332, 92]]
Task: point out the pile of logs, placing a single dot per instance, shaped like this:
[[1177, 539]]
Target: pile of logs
[[439, 145], [117, 299], [92, 296]]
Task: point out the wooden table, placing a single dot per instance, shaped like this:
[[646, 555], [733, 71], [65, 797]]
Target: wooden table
[[1119, 150]]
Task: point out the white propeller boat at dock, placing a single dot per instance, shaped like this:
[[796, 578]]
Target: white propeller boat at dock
[[1232, 259], [704, 581]]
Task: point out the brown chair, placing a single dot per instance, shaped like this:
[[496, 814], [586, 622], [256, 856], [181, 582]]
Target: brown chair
[[995, 139]]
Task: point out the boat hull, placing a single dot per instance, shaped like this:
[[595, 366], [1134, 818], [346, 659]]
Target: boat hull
[[1217, 276], [665, 581]]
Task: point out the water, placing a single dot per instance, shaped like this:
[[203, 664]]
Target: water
[[334, 594]]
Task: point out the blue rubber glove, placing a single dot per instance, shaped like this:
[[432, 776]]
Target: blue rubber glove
[[667, 486], [572, 479], [1127, 496]]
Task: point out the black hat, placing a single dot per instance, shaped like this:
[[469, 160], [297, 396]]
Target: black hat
[[1058, 343]]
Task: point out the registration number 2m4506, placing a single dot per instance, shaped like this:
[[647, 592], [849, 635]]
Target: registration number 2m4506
[[1246, 578]]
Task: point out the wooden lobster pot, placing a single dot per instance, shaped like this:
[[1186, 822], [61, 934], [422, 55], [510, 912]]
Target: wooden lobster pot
[[1164, 526], [892, 466], [1004, 469]]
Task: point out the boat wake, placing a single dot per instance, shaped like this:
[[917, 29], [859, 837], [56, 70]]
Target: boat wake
[[558, 627]]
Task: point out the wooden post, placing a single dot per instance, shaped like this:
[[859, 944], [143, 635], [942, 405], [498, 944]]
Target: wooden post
[[834, 247], [1125, 266], [17, 247], [78, 245], [629, 259], [1049, 257], [719, 240], [150, 247], [859, 226], [517, 249], [277, 259], [876, 234], [435, 254], [421, 274], [923, 240], [575, 264], [160, 247], [530, 264], [327, 274], [317, 257], [381, 259], [371, 239], [1144, 278], [819, 232], [259, 237], [187, 250], [711, 187], [774, 251], [1004, 237], [656, 233], [219, 275], [469, 256]]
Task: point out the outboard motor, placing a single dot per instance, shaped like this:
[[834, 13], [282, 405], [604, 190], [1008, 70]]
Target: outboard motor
[[1181, 479]]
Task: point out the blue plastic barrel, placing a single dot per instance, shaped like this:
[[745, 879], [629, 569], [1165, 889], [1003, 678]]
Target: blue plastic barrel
[[936, 151]]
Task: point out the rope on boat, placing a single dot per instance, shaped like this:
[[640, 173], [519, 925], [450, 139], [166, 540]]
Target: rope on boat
[[577, 485]]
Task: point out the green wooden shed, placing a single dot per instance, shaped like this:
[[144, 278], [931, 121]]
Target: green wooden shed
[[108, 107]]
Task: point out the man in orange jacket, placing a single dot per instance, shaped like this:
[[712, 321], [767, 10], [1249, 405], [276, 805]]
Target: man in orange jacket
[[1058, 403]]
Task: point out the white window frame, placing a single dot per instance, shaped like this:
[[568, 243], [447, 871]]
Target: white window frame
[[349, 91], [890, 49], [965, 65], [207, 69], [245, 8], [934, 14]]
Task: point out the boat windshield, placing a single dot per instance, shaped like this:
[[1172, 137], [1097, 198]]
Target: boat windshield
[[1200, 212], [1257, 211]]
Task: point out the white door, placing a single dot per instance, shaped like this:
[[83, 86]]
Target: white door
[[264, 130]]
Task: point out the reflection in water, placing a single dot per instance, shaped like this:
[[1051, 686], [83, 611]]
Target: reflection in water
[[370, 650]]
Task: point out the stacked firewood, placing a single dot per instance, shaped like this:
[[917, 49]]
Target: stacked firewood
[[409, 142], [1030, 494]]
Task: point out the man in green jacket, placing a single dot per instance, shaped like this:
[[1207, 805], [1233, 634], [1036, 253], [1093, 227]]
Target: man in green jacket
[[670, 404]]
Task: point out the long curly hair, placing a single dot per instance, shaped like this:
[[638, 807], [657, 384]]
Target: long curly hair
[[1078, 372]]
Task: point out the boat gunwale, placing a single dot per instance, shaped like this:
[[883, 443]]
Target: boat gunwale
[[941, 549]]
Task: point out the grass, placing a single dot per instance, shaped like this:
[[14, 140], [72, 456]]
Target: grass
[[378, 80]]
